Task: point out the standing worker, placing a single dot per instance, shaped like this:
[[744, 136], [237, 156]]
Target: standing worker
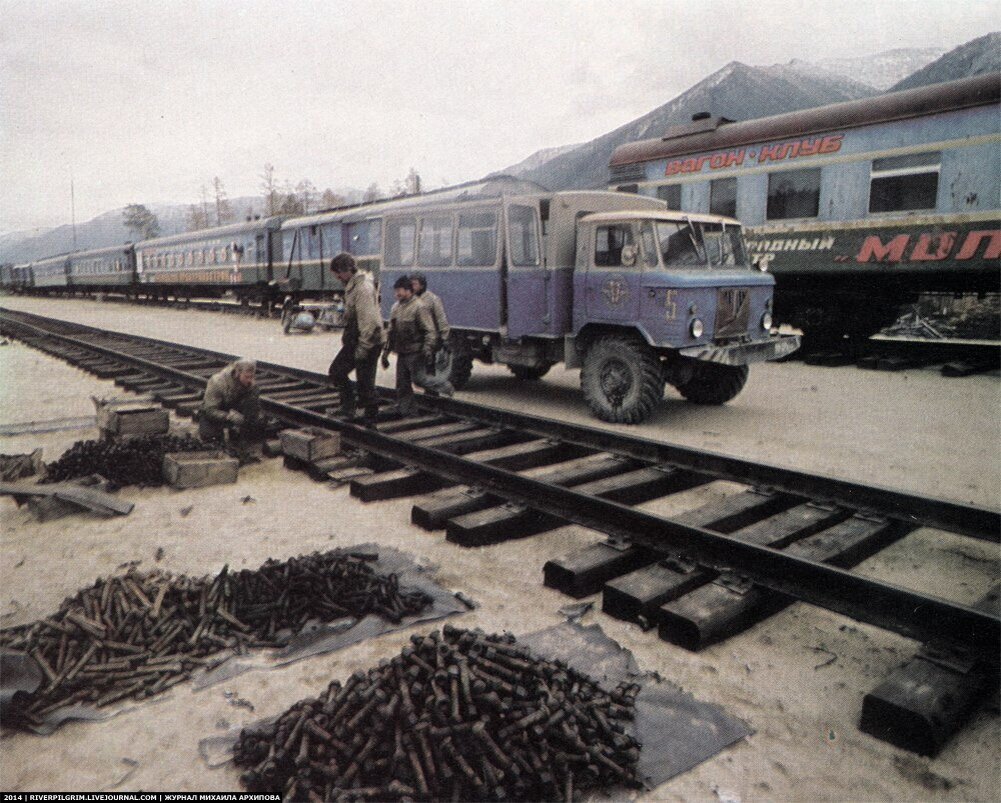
[[419, 282], [232, 402], [412, 335], [361, 341]]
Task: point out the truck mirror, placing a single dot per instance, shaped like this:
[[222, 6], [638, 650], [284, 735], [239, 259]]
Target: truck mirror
[[628, 257]]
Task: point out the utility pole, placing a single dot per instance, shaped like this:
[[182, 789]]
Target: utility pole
[[73, 208]]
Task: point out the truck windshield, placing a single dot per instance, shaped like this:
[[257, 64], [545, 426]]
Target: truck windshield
[[691, 244]]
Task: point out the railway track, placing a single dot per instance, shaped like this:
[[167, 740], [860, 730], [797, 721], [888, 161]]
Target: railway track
[[484, 476]]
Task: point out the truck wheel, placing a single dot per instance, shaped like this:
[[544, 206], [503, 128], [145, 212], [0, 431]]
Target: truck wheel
[[530, 372], [462, 368], [621, 379], [712, 383]]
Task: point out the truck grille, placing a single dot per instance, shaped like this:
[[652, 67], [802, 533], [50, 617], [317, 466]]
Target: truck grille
[[733, 309]]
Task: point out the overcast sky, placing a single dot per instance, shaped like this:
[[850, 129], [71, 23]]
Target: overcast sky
[[146, 101]]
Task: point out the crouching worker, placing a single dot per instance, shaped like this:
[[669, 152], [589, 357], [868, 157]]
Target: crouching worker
[[232, 403], [412, 335]]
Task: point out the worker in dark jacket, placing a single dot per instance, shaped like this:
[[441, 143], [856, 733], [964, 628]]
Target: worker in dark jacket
[[412, 336], [232, 402], [361, 341]]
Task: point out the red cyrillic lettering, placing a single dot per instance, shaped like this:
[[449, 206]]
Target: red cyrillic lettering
[[873, 250], [972, 243], [943, 245]]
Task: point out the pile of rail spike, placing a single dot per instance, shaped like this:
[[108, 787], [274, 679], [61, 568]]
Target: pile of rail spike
[[138, 461], [455, 716], [136, 635]]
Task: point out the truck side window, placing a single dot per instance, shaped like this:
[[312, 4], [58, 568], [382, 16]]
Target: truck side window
[[435, 249], [609, 242], [649, 242], [523, 236], [477, 243]]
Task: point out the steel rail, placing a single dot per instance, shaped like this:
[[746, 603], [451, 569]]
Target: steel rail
[[891, 607], [968, 520]]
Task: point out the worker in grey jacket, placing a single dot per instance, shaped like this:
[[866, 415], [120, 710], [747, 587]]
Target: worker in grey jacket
[[361, 340], [443, 350], [232, 402], [412, 335]]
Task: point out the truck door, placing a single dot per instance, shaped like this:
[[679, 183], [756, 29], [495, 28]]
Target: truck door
[[612, 288], [527, 285]]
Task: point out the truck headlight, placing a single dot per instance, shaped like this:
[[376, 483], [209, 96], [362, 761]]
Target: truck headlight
[[696, 328], [766, 321]]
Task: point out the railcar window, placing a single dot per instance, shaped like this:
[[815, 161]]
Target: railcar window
[[671, 195], [523, 236], [609, 242], [793, 194], [680, 245], [435, 249], [477, 242], [723, 197], [904, 183], [401, 237]]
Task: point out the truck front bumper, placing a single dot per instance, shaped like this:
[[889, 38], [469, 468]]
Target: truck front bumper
[[773, 348]]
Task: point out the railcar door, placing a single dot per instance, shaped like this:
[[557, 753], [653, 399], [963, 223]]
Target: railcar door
[[527, 279]]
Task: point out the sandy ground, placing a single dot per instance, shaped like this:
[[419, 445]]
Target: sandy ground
[[913, 431]]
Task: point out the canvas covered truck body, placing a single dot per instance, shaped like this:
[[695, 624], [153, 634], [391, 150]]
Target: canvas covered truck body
[[616, 284]]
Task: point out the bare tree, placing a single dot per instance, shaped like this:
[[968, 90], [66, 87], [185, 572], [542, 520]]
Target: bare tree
[[330, 199], [195, 218], [140, 221], [373, 193], [413, 182], [223, 210], [306, 192], [269, 184]]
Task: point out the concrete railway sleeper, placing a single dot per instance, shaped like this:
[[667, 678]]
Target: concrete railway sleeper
[[485, 475]]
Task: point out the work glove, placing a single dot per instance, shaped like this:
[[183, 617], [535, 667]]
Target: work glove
[[385, 361], [235, 418]]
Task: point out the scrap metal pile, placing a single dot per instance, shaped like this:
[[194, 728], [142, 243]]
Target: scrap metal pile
[[138, 461], [136, 635], [456, 716]]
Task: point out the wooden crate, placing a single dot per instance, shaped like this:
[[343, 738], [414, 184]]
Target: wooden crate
[[198, 469], [310, 444], [124, 419]]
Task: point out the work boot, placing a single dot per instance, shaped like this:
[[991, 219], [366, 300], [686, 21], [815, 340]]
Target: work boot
[[347, 412]]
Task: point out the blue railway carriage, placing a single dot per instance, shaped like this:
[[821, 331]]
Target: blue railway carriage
[[103, 269], [616, 284], [855, 207], [237, 258], [6, 276], [309, 242], [51, 274]]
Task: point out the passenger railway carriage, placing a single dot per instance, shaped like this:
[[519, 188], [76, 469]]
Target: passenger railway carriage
[[212, 261], [51, 274], [105, 268], [854, 207]]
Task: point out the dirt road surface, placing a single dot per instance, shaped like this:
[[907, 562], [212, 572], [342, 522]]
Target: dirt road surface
[[912, 430]]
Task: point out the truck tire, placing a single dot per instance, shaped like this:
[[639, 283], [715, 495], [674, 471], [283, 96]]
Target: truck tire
[[712, 383], [530, 372], [621, 379], [462, 368]]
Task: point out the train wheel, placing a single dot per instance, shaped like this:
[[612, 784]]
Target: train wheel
[[621, 379], [530, 372], [712, 383]]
